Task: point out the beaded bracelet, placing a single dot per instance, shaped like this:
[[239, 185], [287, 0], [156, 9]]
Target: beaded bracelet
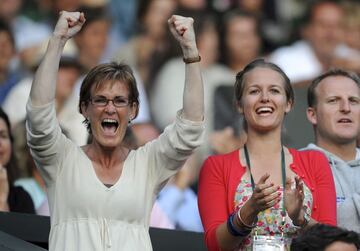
[[238, 214], [233, 230]]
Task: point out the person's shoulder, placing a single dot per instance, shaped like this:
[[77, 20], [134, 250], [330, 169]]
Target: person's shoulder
[[296, 47], [308, 154], [223, 156], [222, 160]]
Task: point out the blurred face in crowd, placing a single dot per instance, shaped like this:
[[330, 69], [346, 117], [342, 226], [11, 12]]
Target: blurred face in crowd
[[9, 8], [66, 81], [7, 50], [264, 101], [93, 40], [336, 114], [5, 143], [242, 39], [156, 16], [325, 31], [193, 4], [352, 35], [253, 6], [69, 5], [208, 44]]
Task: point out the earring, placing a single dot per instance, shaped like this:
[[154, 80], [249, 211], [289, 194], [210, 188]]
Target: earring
[[129, 122]]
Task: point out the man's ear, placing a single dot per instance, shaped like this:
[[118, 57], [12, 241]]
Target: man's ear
[[311, 115]]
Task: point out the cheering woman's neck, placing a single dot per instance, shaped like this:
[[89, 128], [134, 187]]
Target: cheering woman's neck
[[264, 143]]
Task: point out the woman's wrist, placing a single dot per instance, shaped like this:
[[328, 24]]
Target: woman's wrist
[[302, 220], [249, 212], [245, 218], [233, 226], [190, 52], [57, 40]]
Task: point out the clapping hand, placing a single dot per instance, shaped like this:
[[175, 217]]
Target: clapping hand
[[68, 24], [265, 194], [294, 198]]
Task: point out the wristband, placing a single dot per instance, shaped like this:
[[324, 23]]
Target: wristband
[[192, 60], [233, 230]]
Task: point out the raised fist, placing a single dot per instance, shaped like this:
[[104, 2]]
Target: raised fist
[[68, 24], [183, 30]]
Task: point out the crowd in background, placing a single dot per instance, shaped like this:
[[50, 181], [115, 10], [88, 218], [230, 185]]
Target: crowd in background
[[304, 42]]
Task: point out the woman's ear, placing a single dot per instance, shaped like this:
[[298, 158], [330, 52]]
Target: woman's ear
[[134, 109], [84, 110], [239, 107], [288, 107]]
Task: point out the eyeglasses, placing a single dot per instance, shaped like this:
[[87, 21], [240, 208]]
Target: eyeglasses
[[99, 101]]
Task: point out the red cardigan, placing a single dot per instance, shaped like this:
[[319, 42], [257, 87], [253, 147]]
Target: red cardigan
[[220, 175]]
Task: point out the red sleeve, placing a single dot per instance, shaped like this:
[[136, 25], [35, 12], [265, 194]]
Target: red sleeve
[[326, 194], [212, 199]]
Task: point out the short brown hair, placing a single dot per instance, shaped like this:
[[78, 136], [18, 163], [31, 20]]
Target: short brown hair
[[104, 72], [311, 93]]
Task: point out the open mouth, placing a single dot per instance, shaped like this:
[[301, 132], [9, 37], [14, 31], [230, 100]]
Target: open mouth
[[344, 121], [109, 125], [264, 110]]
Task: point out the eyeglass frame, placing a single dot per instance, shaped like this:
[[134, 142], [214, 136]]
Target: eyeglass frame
[[108, 100]]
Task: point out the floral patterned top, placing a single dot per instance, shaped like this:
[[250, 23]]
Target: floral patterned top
[[269, 221]]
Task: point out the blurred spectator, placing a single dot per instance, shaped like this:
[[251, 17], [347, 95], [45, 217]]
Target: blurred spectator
[[12, 198], [322, 237], [312, 55], [8, 78], [179, 201], [28, 34], [159, 218], [347, 55], [241, 39], [69, 117], [92, 39], [272, 26], [140, 50], [31, 180], [169, 82], [123, 21], [196, 5], [242, 44]]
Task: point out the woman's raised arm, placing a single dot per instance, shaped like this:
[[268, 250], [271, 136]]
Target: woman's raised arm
[[193, 99], [44, 84]]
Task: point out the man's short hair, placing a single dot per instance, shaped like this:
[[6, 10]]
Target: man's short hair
[[311, 94], [319, 236]]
